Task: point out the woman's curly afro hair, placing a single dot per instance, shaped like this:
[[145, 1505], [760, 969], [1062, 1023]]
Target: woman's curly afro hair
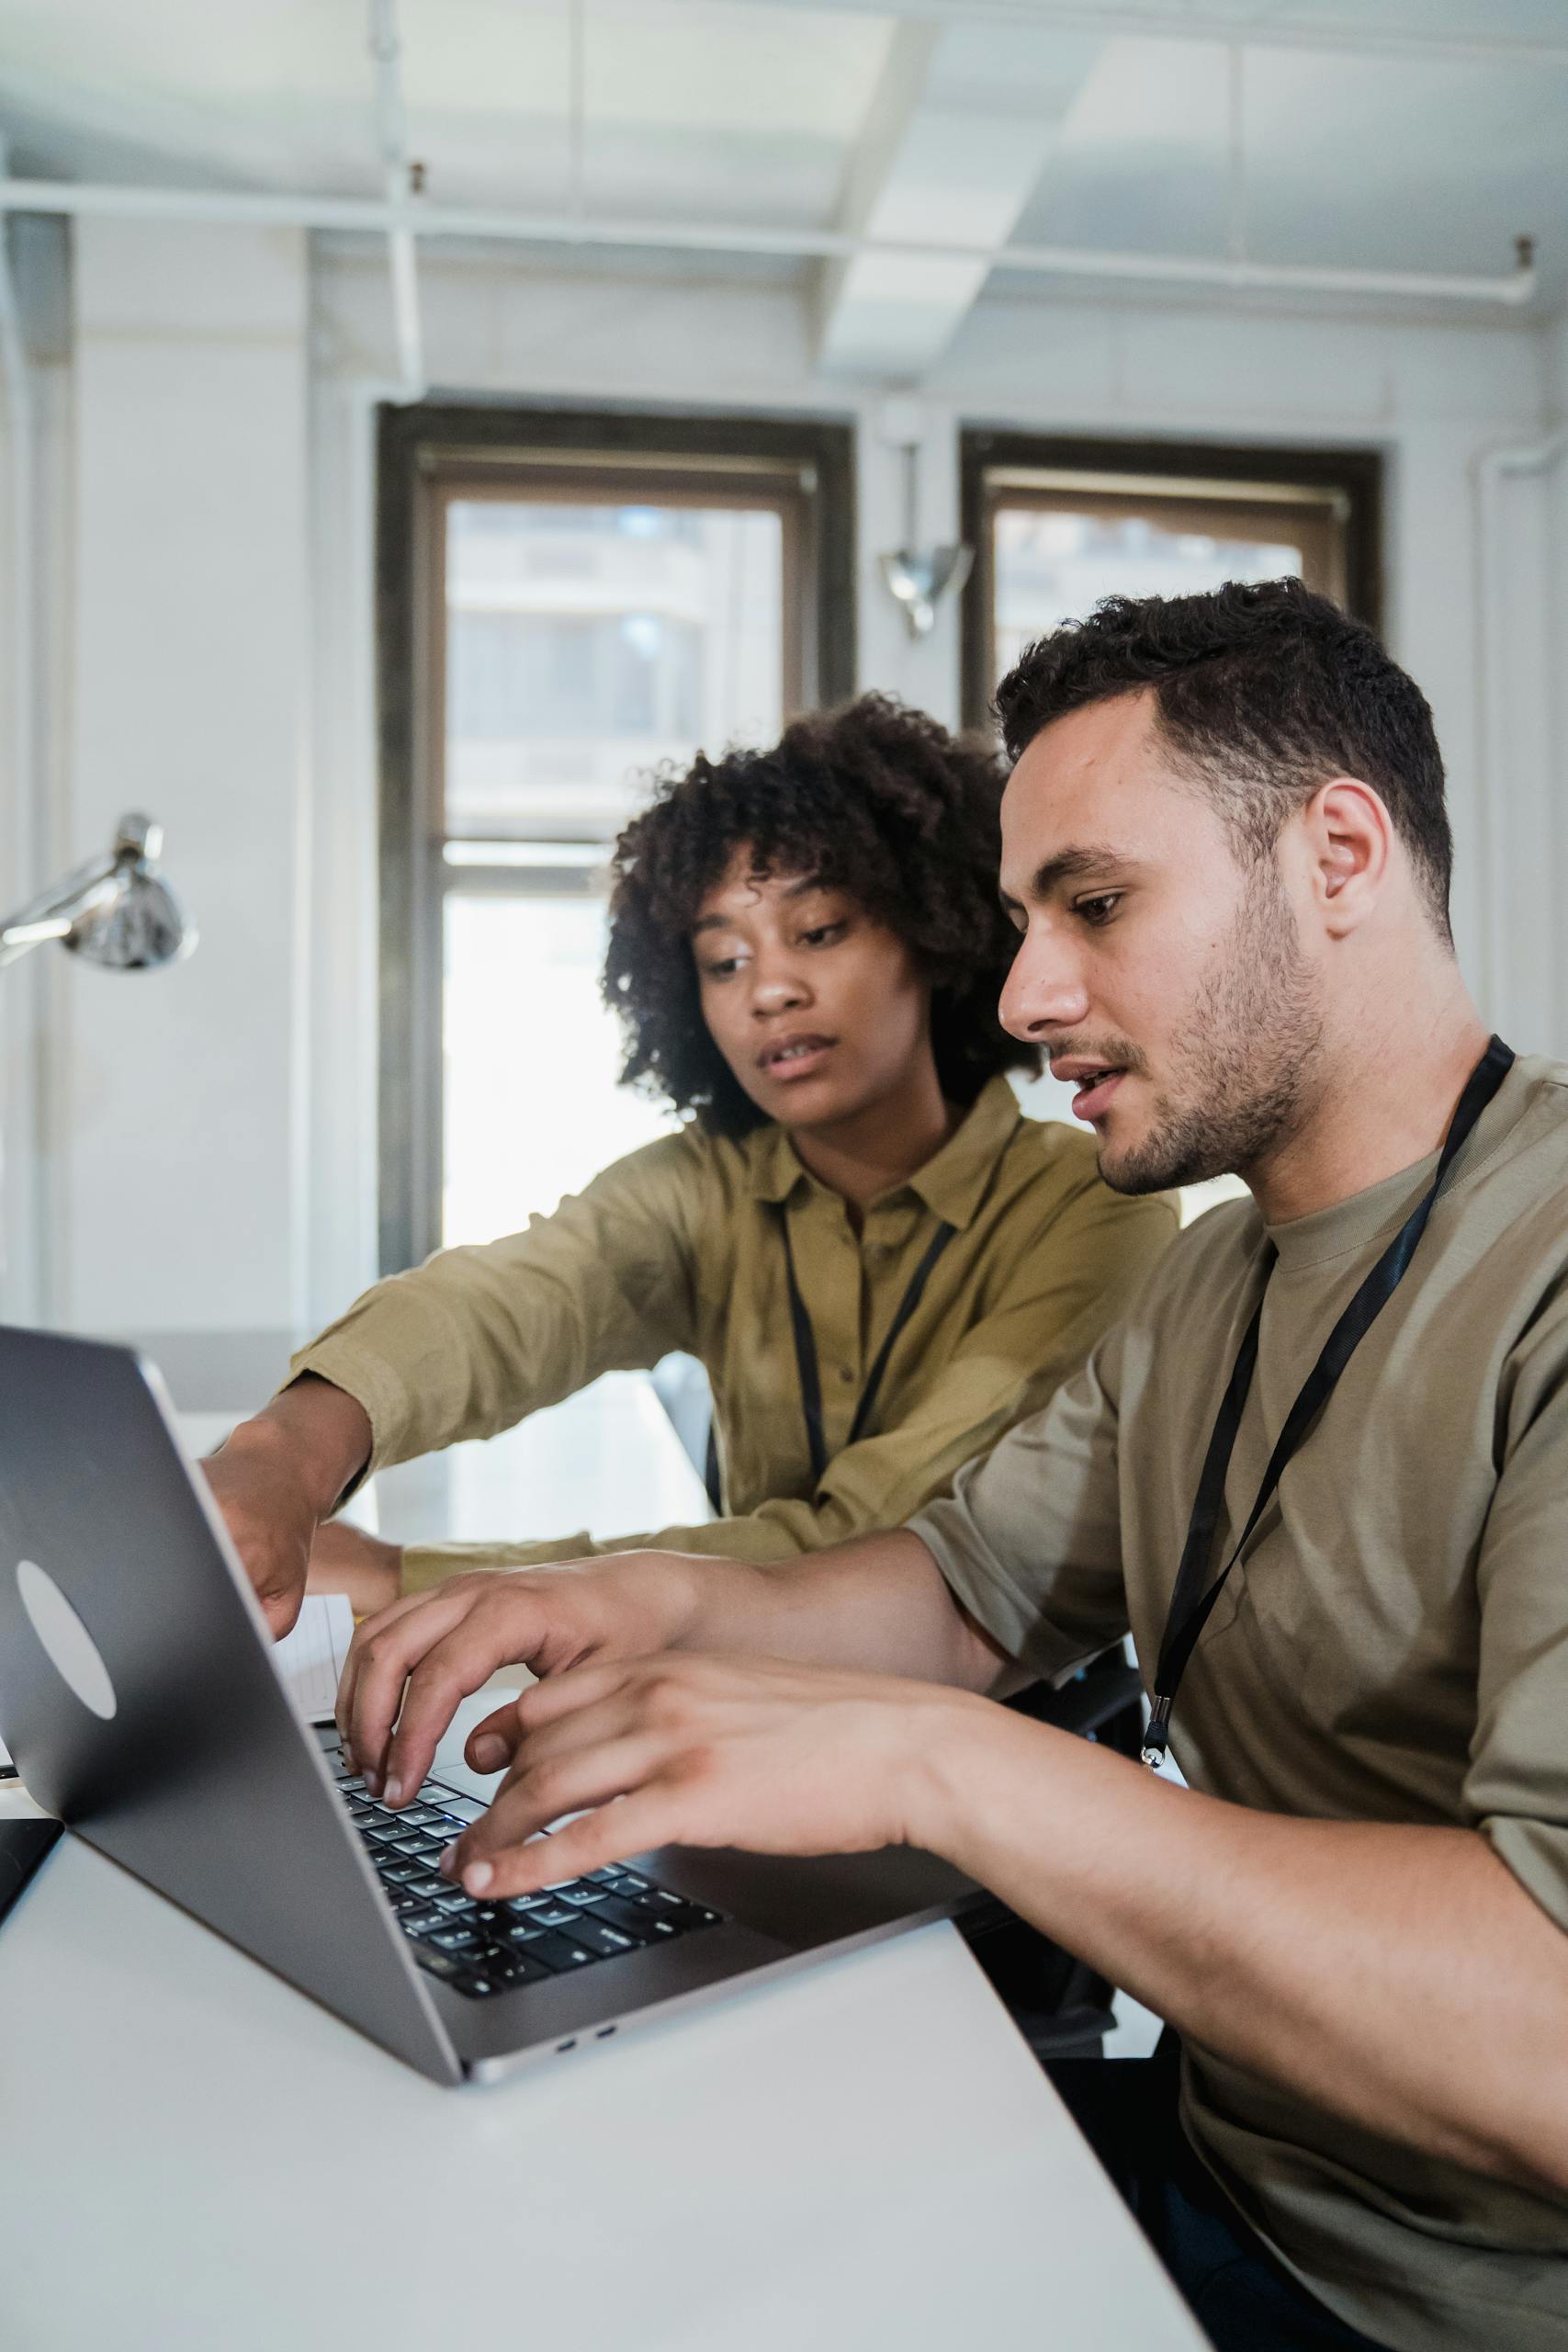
[[874, 799]]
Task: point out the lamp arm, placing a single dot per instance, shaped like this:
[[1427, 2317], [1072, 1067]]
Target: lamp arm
[[52, 914]]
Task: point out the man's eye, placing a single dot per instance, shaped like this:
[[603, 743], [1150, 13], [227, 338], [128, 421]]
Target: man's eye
[[824, 934], [722, 968], [1099, 909]]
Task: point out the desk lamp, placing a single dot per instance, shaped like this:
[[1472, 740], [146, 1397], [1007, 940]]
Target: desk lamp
[[115, 911]]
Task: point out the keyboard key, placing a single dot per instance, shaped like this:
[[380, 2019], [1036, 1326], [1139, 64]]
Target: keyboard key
[[518, 1968], [631, 1885], [522, 1903], [421, 1922], [452, 1898], [584, 1897], [560, 1954], [605, 1939], [399, 1874], [454, 1937], [439, 1963], [558, 1915], [520, 1932], [384, 1833], [663, 1905], [630, 1918]]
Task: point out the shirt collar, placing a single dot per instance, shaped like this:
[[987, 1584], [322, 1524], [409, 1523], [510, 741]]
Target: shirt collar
[[954, 1180]]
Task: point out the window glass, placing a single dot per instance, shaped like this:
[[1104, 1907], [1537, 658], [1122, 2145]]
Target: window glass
[[587, 644], [1054, 566]]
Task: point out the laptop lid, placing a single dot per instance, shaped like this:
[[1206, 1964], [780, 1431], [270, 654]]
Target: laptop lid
[[139, 1699]]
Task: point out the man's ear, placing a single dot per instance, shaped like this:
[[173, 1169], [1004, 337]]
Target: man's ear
[[1347, 837]]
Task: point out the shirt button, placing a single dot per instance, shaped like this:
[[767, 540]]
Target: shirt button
[[845, 1373]]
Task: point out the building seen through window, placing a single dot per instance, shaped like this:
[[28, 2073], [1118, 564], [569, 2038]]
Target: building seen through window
[[589, 643]]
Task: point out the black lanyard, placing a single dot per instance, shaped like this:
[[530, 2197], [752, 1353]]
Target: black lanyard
[[1190, 1604], [805, 1347]]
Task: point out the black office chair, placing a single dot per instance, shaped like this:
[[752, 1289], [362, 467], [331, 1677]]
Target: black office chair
[[1060, 2004]]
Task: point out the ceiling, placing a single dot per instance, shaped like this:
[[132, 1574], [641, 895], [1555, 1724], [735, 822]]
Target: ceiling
[[1409, 135]]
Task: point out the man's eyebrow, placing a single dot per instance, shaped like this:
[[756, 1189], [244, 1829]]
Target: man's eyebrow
[[1084, 859]]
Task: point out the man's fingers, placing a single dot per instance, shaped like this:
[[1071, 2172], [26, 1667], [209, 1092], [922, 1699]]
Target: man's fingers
[[379, 1660], [493, 1744], [445, 1677], [620, 1826]]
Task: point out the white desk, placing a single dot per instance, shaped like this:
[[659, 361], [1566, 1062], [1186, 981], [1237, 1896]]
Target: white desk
[[199, 2159]]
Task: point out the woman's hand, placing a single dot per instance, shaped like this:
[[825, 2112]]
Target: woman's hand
[[346, 1559], [710, 1751]]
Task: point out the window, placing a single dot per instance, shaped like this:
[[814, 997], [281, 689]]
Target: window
[[567, 604], [1057, 525]]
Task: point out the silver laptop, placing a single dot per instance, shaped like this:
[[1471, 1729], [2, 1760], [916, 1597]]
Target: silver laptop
[[140, 1701]]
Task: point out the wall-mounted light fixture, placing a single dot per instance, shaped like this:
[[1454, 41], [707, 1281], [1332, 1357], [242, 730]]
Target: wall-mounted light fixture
[[918, 576], [115, 911]]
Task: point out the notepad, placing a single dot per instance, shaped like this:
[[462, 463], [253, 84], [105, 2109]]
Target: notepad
[[310, 1661]]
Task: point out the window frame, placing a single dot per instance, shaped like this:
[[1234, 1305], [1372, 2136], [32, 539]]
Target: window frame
[[428, 453], [1004, 467]]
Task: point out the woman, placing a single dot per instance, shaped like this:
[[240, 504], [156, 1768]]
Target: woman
[[880, 1262]]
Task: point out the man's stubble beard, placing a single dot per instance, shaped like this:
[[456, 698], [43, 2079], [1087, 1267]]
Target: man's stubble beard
[[1245, 1075]]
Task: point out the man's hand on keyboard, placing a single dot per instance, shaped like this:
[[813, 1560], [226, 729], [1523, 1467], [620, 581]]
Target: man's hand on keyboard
[[414, 1665], [694, 1750]]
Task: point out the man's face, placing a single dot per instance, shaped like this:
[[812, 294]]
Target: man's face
[[1163, 975], [818, 1010]]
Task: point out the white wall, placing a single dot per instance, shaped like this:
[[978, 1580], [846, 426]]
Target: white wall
[[174, 1136], [248, 1176]]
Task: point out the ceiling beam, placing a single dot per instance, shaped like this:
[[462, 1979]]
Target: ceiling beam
[[962, 126], [1148, 20]]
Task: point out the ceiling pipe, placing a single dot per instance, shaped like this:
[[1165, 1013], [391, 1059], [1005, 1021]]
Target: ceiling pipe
[[401, 180], [370, 217]]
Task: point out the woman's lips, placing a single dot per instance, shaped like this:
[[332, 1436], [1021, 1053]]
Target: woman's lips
[[799, 1061], [1093, 1101]]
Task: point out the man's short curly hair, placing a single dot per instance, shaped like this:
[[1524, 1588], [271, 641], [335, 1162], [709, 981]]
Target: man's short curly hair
[[1263, 690], [874, 799]]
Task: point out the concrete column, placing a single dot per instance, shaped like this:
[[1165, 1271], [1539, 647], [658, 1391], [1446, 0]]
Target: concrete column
[[178, 1129]]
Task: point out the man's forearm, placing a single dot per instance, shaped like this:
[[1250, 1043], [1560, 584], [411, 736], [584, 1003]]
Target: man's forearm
[[878, 1602], [1399, 1977]]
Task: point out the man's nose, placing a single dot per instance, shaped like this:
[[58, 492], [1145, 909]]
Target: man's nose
[[1045, 992]]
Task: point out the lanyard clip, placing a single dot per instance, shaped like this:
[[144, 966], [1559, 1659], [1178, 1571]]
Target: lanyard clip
[[1156, 1738]]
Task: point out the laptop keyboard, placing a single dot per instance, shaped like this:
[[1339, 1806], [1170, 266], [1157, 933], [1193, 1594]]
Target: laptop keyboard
[[482, 1949]]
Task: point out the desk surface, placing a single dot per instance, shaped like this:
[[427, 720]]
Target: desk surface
[[201, 2160]]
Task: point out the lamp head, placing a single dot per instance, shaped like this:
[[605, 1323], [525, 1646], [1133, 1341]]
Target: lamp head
[[920, 577], [132, 921]]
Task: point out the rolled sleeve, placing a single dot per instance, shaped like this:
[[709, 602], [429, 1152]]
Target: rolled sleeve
[[1515, 1789], [1029, 1539]]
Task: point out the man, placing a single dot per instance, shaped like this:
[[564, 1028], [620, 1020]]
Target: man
[[1225, 851]]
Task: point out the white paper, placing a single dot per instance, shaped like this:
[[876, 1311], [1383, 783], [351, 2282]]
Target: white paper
[[311, 1660]]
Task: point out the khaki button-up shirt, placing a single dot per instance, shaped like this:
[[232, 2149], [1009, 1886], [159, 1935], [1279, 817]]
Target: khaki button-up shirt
[[679, 1246]]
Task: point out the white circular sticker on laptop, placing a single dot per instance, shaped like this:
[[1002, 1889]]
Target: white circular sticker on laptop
[[71, 1649]]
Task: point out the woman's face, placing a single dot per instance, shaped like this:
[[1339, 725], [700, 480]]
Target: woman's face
[[818, 1010]]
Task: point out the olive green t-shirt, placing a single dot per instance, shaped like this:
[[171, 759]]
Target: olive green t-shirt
[[1392, 1645], [681, 1246]]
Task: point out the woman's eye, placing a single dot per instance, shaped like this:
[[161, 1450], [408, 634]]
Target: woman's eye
[[723, 969], [824, 934], [1099, 908]]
